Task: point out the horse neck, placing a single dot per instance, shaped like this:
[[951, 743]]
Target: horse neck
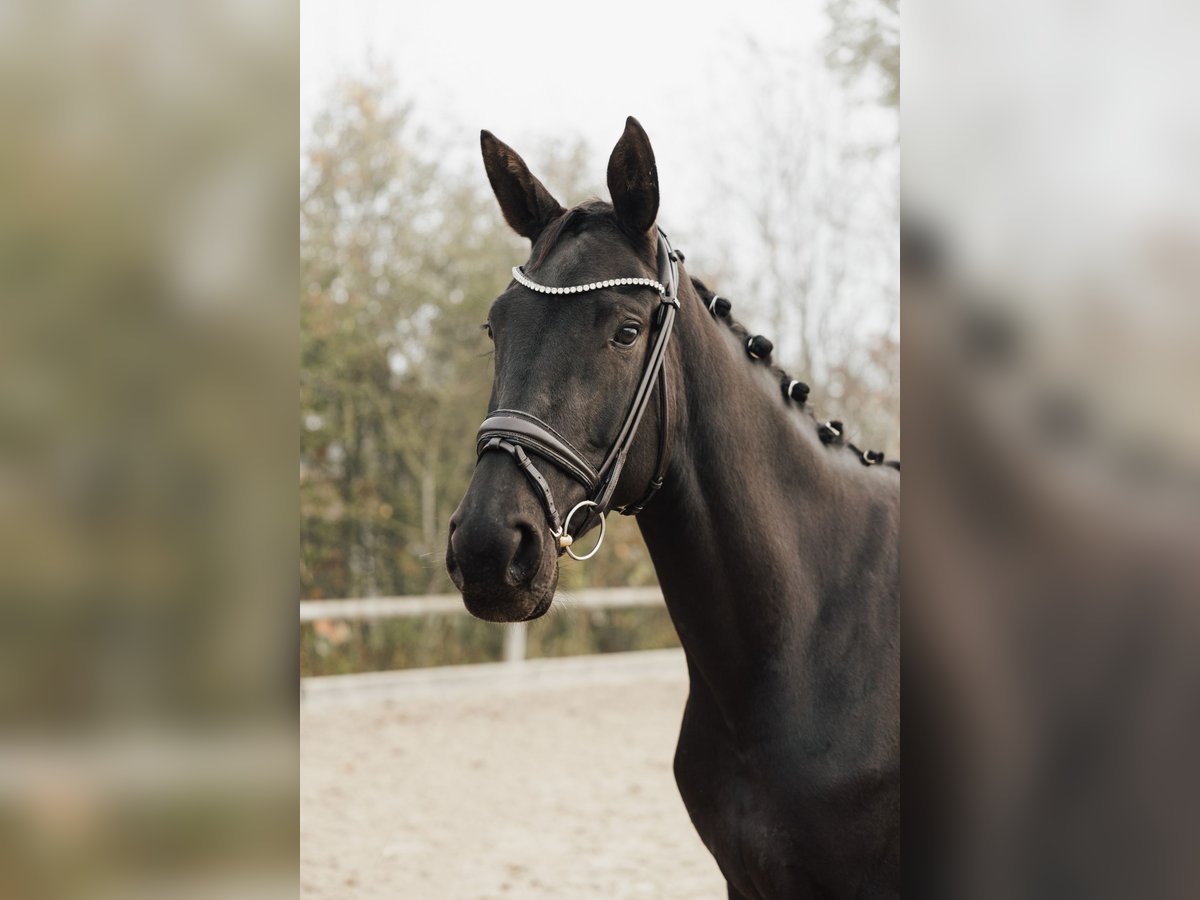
[[738, 531]]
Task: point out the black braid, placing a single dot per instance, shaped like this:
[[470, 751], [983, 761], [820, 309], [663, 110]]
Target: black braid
[[759, 349]]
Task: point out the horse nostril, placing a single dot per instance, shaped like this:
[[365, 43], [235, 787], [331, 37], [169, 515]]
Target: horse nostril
[[527, 560], [452, 560]]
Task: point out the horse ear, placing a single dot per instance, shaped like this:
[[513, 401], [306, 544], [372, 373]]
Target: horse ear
[[525, 202], [633, 180]]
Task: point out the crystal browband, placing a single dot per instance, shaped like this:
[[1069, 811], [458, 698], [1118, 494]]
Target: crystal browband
[[524, 279]]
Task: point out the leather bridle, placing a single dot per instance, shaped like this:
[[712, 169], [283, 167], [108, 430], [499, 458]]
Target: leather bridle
[[520, 433]]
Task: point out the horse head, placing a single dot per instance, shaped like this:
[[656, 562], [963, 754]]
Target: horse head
[[580, 336]]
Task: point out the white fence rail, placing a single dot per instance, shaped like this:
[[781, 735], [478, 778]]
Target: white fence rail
[[451, 604], [557, 671]]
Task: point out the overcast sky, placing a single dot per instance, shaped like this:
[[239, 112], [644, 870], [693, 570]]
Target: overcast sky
[[533, 71]]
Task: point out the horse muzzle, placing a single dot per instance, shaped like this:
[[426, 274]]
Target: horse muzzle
[[499, 554]]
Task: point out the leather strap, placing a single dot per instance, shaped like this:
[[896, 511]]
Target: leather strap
[[664, 430], [641, 401], [537, 436], [531, 471]]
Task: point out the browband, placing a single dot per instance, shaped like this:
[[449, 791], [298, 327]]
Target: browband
[[516, 432]]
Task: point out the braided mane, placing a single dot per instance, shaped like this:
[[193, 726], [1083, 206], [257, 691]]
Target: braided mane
[[830, 433]]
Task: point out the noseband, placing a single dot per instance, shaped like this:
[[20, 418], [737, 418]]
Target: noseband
[[516, 432]]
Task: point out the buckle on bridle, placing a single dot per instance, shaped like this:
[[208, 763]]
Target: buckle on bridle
[[661, 314]]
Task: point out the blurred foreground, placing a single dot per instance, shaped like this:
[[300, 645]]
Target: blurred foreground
[[147, 450], [1052, 475]]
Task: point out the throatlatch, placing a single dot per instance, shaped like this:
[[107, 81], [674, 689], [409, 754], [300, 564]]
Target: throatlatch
[[516, 432]]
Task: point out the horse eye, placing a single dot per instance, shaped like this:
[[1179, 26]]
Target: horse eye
[[488, 328], [627, 335]]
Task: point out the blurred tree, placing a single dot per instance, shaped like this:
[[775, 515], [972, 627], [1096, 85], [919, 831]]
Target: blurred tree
[[805, 192], [399, 264], [864, 45]]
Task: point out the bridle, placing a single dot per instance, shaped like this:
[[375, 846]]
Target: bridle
[[516, 432]]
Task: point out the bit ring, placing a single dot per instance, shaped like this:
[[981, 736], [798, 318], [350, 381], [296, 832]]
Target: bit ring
[[564, 538]]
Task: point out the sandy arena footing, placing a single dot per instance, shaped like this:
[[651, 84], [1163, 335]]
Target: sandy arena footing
[[551, 778]]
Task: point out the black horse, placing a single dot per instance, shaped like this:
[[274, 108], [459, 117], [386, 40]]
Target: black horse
[[775, 542]]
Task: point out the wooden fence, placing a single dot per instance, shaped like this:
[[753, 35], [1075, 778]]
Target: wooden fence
[[451, 604]]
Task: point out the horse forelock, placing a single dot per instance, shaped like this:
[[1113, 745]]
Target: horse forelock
[[573, 221]]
